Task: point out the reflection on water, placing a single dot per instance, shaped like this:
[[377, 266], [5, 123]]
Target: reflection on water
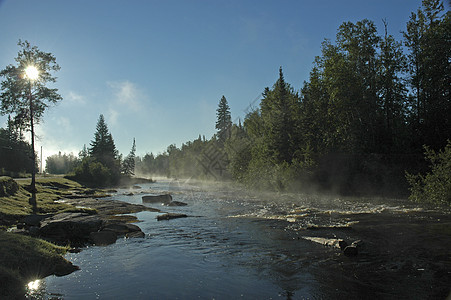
[[233, 245]]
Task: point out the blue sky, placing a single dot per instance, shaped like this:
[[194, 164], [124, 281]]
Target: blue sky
[[157, 69]]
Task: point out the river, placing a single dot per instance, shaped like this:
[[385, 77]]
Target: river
[[236, 245]]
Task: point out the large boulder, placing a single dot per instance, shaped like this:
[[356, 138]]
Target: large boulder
[[70, 228], [103, 238], [166, 198], [121, 229]]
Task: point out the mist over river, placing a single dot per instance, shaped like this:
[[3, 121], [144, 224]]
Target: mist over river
[[234, 245]]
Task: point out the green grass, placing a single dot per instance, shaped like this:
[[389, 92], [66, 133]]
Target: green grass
[[23, 259], [49, 190]]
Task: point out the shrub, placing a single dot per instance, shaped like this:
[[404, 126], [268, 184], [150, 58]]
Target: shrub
[[93, 173], [435, 186]]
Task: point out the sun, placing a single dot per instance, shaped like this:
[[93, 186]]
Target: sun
[[32, 72]]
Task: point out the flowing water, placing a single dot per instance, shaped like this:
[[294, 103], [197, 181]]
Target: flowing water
[[239, 246]]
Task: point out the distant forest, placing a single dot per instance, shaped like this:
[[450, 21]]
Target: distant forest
[[355, 127], [362, 120]]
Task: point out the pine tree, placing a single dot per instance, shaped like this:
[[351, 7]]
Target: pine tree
[[128, 165], [224, 120], [279, 109], [102, 147]]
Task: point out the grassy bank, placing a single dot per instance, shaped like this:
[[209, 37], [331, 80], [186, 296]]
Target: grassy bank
[[24, 258]]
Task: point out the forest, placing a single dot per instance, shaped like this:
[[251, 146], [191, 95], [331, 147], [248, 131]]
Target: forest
[[373, 118]]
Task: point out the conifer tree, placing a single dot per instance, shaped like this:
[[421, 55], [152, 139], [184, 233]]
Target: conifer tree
[[102, 147], [128, 165], [279, 110], [224, 120]]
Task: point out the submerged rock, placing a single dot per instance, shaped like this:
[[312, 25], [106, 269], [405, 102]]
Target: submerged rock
[[351, 251], [135, 234], [169, 216], [176, 203], [166, 198]]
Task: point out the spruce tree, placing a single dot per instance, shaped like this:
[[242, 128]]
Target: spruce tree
[[128, 165], [102, 147], [224, 120]]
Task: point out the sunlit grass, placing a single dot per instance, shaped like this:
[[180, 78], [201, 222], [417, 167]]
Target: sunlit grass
[[25, 259], [49, 190]]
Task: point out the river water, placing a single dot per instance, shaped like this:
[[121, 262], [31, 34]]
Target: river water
[[235, 245]]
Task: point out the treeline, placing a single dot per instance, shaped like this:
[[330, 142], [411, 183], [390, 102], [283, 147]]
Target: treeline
[[100, 164], [15, 152], [356, 126]]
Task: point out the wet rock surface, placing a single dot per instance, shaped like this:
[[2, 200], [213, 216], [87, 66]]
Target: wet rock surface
[[101, 226], [170, 216]]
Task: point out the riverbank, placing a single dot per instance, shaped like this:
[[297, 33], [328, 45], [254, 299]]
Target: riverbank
[[68, 215]]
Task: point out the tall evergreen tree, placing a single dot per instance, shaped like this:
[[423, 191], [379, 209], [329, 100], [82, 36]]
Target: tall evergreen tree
[[279, 111], [102, 147], [223, 120], [128, 165]]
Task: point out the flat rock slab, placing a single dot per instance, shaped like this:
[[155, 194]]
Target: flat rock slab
[[170, 216], [109, 207], [70, 228]]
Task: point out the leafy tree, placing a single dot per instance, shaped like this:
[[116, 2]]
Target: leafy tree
[[25, 97], [15, 152], [435, 186], [392, 92], [61, 164], [128, 165], [428, 38], [224, 120]]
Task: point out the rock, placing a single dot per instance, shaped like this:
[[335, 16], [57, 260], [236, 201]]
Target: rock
[[103, 238], [342, 244], [358, 244], [121, 229], [74, 250], [176, 203], [135, 234], [34, 231], [63, 269], [350, 251], [136, 187], [128, 194], [166, 198], [169, 216], [34, 220], [70, 228]]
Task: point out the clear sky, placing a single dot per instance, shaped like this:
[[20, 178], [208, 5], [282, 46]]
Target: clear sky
[[157, 69]]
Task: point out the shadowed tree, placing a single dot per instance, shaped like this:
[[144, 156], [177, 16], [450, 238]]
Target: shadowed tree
[[128, 165], [25, 94], [102, 147], [428, 39], [224, 120]]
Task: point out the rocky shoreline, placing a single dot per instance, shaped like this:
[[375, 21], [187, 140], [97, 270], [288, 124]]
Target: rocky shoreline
[[87, 218], [102, 225]]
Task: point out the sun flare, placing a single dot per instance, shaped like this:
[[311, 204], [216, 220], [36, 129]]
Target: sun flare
[[34, 285], [32, 72]]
